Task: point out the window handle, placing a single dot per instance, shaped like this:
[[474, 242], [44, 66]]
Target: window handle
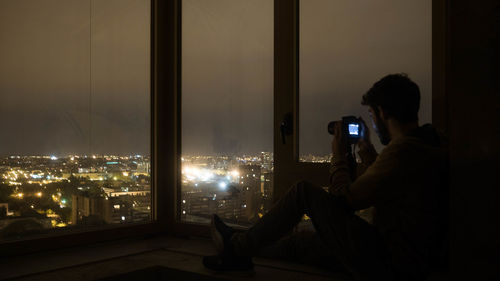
[[286, 127]]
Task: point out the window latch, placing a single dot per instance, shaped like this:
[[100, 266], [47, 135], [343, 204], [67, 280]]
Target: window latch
[[286, 127]]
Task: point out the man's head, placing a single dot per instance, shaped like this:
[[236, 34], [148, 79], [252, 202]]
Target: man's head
[[393, 97]]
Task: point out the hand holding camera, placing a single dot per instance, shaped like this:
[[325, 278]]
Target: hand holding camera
[[351, 126], [339, 146], [350, 130], [346, 132], [364, 142]]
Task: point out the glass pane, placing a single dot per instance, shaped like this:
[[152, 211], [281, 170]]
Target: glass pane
[[75, 114], [345, 47], [227, 109]]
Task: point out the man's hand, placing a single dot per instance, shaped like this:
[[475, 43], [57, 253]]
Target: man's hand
[[339, 145], [366, 151], [340, 175], [364, 142]]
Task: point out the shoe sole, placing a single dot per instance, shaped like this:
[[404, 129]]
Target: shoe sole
[[217, 238]]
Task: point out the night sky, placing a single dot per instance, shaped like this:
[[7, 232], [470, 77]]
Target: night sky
[[51, 103], [45, 78]]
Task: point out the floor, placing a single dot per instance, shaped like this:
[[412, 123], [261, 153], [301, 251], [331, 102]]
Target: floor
[[105, 260]]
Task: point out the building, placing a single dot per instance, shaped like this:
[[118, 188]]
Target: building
[[109, 210]]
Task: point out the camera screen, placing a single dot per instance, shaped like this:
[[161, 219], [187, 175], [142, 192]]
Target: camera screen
[[353, 129]]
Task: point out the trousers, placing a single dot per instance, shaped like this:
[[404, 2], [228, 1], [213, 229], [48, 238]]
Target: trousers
[[340, 237]]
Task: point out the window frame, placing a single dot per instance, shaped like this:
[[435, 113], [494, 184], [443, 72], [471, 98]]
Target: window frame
[[166, 123], [286, 101], [292, 170], [162, 18], [287, 167]]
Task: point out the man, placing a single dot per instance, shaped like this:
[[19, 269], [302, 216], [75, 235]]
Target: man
[[406, 185]]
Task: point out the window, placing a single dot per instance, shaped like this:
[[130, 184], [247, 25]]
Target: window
[[342, 49], [74, 68], [345, 47], [227, 110], [75, 115]]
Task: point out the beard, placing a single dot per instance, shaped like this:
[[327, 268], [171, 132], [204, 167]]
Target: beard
[[381, 131]]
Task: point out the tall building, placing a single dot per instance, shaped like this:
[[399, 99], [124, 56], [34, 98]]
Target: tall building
[[109, 210], [250, 183]]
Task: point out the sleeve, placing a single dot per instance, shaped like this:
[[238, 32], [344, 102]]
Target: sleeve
[[340, 177], [374, 186], [368, 156]]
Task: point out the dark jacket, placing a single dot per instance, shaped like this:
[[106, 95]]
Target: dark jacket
[[407, 187]]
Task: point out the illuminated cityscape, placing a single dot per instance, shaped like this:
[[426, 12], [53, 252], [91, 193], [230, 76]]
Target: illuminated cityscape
[[39, 193], [238, 189], [44, 192]]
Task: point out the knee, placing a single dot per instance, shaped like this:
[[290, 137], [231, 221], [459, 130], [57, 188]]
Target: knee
[[303, 186]]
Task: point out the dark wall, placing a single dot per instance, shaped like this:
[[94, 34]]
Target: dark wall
[[472, 93]]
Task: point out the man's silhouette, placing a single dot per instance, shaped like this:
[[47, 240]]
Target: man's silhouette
[[406, 186]]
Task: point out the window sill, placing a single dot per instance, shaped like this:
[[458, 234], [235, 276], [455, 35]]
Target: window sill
[[111, 258]]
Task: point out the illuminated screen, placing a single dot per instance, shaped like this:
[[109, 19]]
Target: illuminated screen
[[353, 129]]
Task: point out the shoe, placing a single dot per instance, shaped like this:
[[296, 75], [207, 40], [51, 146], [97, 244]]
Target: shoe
[[221, 236], [226, 263], [226, 259]]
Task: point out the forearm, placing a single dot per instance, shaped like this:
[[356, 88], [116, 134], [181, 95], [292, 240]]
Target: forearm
[[368, 155], [340, 173], [341, 180], [340, 176]]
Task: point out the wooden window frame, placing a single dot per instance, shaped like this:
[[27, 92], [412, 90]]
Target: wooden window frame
[[162, 21], [166, 123], [287, 167]]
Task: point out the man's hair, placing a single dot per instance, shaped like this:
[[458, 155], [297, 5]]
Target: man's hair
[[397, 95]]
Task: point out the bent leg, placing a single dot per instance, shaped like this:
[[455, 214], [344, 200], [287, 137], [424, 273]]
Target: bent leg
[[304, 247], [354, 242], [275, 224]]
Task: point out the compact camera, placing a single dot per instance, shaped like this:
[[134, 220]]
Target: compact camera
[[351, 126]]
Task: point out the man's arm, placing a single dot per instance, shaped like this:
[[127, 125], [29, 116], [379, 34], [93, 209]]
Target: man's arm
[[340, 176], [367, 151], [374, 185], [339, 170], [368, 154]]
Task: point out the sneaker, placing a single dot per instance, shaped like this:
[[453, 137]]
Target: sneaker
[[226, 259], [227, 263], [221, 236]]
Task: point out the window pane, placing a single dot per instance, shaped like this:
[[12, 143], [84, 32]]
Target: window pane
[[345, 47], [75, 114], [227, 109]]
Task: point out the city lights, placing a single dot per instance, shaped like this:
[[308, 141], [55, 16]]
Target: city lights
[[69, 184], [117, 189], [213, 184], [222, 185], [198, 174]]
